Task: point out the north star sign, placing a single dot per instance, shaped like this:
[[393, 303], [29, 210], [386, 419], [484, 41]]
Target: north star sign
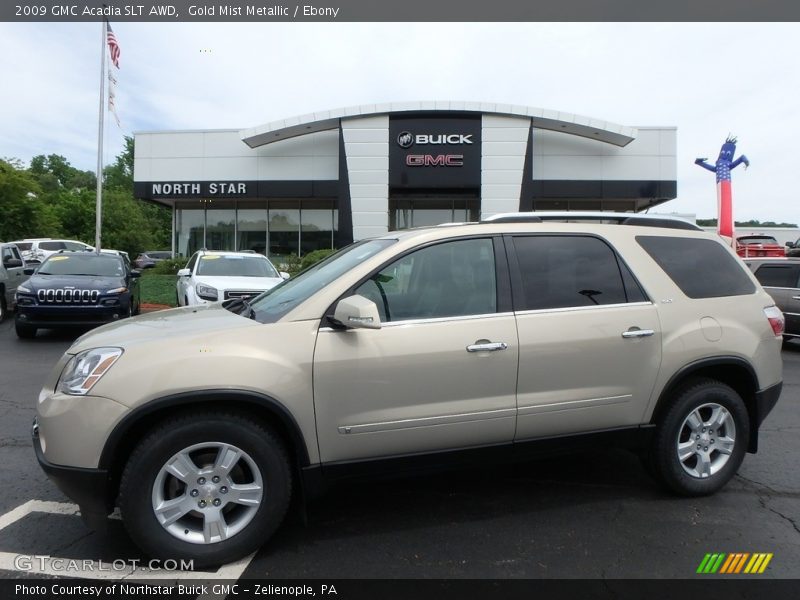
[[205, 188]]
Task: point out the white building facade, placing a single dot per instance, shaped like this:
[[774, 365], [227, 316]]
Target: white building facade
[[326, 179]]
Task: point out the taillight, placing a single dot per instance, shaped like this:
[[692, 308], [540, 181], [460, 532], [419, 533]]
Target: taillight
[[776, 320]]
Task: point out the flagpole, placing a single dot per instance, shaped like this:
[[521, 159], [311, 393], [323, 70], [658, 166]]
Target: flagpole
[[99, 204]]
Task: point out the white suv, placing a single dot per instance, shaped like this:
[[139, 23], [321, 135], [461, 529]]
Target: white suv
[[416, 349], [36, 250], [212, 275]]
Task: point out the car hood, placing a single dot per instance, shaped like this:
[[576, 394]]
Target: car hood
[[187, 322], [239, 283], [78, 282]]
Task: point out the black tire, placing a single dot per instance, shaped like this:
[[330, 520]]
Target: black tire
[[2, 305], [178, 434], [25, 332], [701, 395]]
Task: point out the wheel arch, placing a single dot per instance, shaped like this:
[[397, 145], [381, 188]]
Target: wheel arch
[[135, 425], [733, 371]]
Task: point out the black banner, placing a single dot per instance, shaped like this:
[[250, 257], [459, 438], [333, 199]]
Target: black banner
[[408, 10], [403, 589]]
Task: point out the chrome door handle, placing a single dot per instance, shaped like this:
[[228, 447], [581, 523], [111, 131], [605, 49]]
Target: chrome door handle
[[487, 347], [637, 333]]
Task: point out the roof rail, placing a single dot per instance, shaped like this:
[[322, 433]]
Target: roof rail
[[638, 219]]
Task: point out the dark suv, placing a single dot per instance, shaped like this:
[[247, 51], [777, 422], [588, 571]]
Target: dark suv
[[76, 288]]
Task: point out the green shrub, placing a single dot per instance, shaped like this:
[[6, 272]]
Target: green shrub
[[314, 257], [169, 266]]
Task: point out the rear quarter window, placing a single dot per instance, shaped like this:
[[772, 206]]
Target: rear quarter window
[[701, 268]]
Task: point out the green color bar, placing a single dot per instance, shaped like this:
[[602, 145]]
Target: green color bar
[[718, 564], [702, 566]]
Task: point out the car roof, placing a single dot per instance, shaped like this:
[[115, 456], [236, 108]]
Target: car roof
[[224, 253]]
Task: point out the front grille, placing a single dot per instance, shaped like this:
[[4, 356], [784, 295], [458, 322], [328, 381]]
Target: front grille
[[67, 296], [241, 293]]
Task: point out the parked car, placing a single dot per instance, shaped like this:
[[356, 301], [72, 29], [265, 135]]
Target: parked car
[[758, 245], [11, 276], [793, 248], [781, 280], [36, 250], [148, 260], [76, 288], [212, 275], [415, 350]]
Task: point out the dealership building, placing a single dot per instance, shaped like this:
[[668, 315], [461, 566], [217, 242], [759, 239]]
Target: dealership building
[[325, 179]]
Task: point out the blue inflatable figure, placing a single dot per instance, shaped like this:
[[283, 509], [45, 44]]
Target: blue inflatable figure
[[722, 168]]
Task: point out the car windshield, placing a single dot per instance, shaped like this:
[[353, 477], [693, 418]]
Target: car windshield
[[232, 265], [273, 304], [757, 239], [83, 264]]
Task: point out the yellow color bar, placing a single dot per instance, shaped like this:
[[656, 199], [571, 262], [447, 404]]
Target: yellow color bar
[[766, 562], [753, 564]]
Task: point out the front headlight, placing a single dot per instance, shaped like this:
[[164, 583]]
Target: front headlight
[[119, 290], [85, 369], [206, 292], [24, 290]]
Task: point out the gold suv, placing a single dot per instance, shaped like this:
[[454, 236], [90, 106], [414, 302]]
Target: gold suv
[[413, 350]]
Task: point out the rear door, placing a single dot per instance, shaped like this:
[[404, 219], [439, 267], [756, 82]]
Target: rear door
[[590, 340]]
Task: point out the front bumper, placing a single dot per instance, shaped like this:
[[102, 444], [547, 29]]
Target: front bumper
[[69, 316], [88, 488]]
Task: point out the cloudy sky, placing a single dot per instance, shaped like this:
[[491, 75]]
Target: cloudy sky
[[708, 80]]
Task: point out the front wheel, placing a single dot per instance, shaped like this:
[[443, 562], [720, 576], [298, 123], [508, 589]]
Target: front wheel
[[701, 440], [210, 488]]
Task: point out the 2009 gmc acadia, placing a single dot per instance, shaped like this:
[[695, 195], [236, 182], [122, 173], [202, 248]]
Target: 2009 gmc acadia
[[415, 348]]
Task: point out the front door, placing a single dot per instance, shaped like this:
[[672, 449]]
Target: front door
[[440, 373]]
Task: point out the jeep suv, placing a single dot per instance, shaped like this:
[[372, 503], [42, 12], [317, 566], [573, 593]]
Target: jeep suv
[[416, 349]]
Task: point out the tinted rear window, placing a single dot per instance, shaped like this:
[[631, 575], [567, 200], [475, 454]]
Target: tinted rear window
[[700, 268], [784, 276]]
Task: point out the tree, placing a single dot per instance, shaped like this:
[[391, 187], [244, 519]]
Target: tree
[[23, 212]]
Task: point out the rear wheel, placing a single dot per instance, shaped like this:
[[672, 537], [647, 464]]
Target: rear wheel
[[2, 305], [210, 488], [701, 440]]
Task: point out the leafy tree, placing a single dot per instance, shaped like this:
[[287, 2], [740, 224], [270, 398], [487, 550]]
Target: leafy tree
[[23, 212]]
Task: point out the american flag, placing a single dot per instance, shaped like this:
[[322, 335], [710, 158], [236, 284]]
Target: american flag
[[113, 46]]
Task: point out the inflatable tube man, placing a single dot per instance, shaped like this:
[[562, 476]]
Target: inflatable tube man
[[722, 168]]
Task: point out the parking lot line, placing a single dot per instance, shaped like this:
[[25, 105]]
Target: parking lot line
[[96, 569]]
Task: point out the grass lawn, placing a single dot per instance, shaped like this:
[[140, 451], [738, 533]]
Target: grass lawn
[[158, 289]]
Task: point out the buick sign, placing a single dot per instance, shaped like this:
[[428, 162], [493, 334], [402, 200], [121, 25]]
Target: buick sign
[[405, 139]]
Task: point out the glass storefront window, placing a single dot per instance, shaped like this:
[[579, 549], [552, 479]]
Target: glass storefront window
[[252, 230], [189, 229], [316, 225], [220, 228], [423, 211], [276, 228], [284, 231]]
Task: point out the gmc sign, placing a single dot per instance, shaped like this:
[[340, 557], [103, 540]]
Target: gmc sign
[[439, 160]]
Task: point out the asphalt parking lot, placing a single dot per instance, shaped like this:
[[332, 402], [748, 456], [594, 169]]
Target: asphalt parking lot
[[592, 515]]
